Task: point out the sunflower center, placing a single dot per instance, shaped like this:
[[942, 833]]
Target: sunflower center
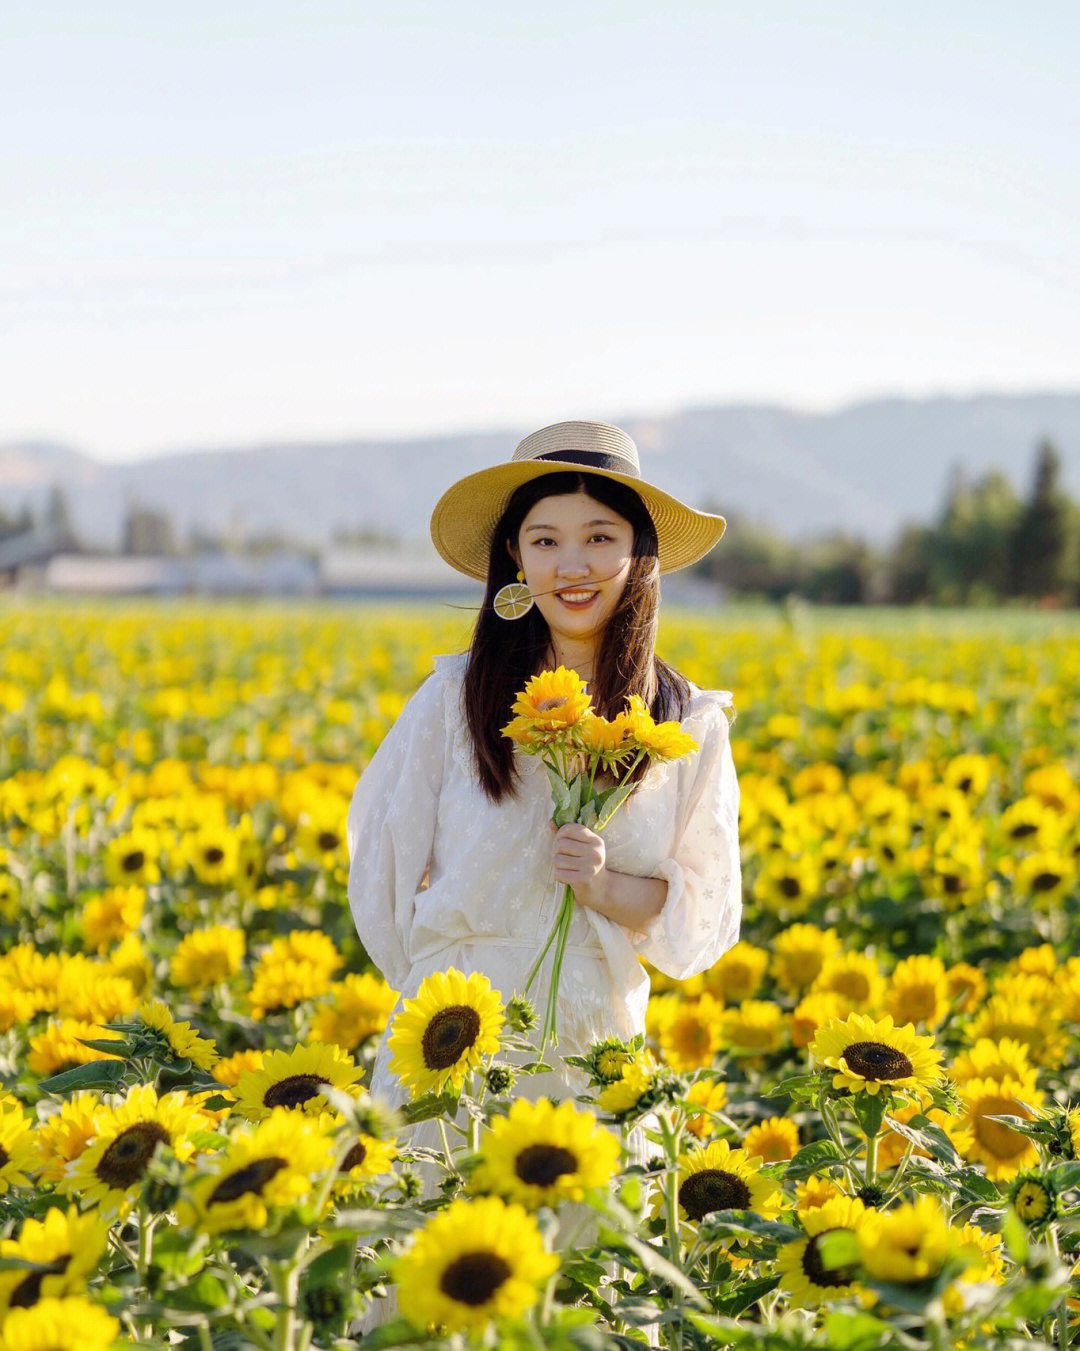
[[449, 1035], [713, 1189], [5, 1157], [952, 883], [293, 1091], [1045, 881], [549, 705], [875, 1060], [328, 841], [543, 1165], [253, 1177], [28, 1291], [1023, 830], [214, 854], [474, 1277], [126, 1159], [817, 1274], [134, 861], [789, 887], [355, 1157]]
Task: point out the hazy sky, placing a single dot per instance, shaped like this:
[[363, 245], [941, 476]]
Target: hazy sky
[[226, 223]]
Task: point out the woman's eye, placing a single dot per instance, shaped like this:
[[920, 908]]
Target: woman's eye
[[604, 539]]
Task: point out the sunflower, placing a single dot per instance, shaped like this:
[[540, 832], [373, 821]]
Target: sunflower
[[294, 1079], [87, 989], [738, 974], [1029, 822], [133, 858], [854, 975], [107, 1172], [798, 954], [64, 1135], [813, 1012], [183, 1042], [17, 1152], [212, 851], [355, 1009], [803, 1276], [787, 884], [907, 1245], [553, 701], [442, 1034], [867, 1055], [293, 968], [206, 957], [540, 1154], [229, 1070], [997, 1060], [986, 1259], [1034, 1198], [1046, 876], [689, 1032], [621, 1097], [70, 1324], [918, 992], [1002, 1151], [65, 1246], [814, 1192], [708, 1096], [1027, 1020], [475, 1261], [966, 985], [607, 740], [774, 1139], [112, 915], [659, 740], [756, 1026], [271, 1164], [365, 1159], [718, 1177]]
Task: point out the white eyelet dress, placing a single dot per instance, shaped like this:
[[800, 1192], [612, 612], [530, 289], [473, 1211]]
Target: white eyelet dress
[[490, 898]]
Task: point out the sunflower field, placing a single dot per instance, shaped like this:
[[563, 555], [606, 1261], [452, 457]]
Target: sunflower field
[[859, 1129]]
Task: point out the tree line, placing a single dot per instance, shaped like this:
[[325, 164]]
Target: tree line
[[986, 545]]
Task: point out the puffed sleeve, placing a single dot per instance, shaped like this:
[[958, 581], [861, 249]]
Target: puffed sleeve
[[391, 827], [701, 916]]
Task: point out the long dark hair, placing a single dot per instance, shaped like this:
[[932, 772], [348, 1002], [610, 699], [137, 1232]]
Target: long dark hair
[[504, 654]]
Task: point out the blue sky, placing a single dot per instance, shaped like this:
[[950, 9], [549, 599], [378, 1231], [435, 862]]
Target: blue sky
[[228, 223]]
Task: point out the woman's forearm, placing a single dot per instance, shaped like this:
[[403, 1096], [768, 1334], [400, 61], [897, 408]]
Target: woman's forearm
[[630, 901]]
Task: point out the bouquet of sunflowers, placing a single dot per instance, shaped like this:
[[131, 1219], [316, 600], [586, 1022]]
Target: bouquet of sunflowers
[[555, 721]]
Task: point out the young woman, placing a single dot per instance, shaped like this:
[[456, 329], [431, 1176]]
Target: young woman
[[454, 861]]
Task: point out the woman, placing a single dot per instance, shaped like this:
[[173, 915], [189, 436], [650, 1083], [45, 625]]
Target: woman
[[454, 861]]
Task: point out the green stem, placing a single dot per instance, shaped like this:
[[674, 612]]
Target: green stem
[[543, 953], [145, 1243], [871, 1158], [286, 1284]]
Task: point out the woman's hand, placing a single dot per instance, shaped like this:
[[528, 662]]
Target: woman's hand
[[580, 856]]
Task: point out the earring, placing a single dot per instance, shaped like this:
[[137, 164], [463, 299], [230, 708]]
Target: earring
[[514, 599]]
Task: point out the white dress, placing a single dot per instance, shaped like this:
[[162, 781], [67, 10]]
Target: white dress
[[440, 876]]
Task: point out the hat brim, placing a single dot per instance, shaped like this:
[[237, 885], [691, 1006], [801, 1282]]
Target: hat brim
[[468, 512]]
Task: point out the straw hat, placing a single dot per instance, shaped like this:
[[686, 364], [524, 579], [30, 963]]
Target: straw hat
[[469, 510]]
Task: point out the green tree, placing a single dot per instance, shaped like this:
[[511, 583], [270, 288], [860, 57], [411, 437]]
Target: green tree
[[1040, 539]]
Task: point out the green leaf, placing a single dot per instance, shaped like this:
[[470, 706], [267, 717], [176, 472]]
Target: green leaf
[[1065, 1176], [97, 1074], [1014, 1236], [613, 800], [746, 1296], [838, 1248], [116, 1048], [811, 1158], [850, 1331], [870, 1109], [742, 1223], [651, 1261]]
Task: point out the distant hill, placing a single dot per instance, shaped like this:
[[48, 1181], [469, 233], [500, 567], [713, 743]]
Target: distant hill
[[869, 468]]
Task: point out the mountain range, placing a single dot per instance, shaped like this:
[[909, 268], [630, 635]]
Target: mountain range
[[868, 468]]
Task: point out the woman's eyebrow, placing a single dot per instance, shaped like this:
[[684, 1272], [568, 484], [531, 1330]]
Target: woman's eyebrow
[[588, 525]]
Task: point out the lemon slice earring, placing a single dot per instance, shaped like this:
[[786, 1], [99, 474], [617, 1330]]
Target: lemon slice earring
[[513, 600]]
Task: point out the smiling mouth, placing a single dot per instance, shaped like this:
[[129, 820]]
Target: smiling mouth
[[577, 598]]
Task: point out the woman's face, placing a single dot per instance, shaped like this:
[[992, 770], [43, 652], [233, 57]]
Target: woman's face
[[576, 555]]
